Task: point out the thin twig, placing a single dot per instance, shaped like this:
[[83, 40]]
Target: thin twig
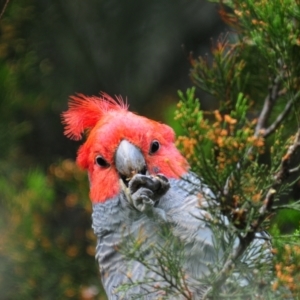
[[266, 205], [294, 170], [286, 207], [4, 8], [268, 106], [283, 172], [280, 117]]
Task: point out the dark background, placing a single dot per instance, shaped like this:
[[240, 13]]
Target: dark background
[[137, 49]]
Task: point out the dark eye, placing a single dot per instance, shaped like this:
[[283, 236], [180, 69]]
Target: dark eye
[[154, 147], [100, 161]]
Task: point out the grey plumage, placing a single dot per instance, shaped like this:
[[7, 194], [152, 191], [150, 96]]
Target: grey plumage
[[116, 221]]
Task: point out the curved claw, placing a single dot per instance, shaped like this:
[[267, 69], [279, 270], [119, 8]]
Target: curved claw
[[142, 200], [159, 184], [162, 177], [164, 183], [145, 190]]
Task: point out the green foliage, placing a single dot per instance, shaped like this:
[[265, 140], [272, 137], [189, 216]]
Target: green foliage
[[41, 256], [247, 150], [163, 260], [47, 245], [287, 260]]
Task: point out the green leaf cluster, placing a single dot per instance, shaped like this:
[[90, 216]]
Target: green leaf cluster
[[247, 151]]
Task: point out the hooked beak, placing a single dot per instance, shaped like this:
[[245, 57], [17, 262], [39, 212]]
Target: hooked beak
[[129, 161]]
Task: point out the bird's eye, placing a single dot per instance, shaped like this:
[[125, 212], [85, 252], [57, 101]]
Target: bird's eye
[[100, 161], [154, 147]]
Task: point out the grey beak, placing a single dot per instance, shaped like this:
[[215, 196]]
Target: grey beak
[[129, 160]]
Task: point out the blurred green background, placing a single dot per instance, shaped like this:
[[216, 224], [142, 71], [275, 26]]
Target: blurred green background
[[48, 51]]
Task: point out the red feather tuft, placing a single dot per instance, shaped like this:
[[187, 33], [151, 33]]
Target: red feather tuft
[[85, 112]]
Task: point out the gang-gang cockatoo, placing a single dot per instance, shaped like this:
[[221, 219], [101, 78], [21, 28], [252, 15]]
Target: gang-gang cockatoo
[[139, 183]]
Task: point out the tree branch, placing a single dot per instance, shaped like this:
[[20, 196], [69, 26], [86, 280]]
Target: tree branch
[[268, 105], [294, 206], [281, 116], [294, 170], [4, 8], [274, 93], [284, 167]]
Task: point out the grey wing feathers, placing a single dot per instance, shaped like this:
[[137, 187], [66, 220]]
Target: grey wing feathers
[[185, 208], [115, 225]]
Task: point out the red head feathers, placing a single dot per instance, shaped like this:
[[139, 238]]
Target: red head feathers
[[108, 122]]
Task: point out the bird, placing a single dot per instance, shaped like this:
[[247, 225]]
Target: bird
[[140, 184]]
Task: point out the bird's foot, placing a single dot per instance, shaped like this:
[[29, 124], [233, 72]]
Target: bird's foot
[[145, 190]]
